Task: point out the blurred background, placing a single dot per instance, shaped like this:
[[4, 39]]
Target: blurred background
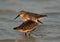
[[31, 5], [9, 9]]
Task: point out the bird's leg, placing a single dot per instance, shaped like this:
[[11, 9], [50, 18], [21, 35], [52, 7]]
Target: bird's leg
[[17, 16], [40, 21], [25, 34], [29, 34]]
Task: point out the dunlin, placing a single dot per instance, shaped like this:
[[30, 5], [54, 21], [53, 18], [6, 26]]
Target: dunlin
[[30, 16], [26, 26]]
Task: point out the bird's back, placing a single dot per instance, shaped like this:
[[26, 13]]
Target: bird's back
[[27, 26]]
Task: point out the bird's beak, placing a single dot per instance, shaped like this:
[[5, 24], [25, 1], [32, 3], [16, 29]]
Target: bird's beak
[[17, 16]]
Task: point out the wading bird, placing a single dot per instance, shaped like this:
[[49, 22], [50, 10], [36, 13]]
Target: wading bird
[[27, 26], [30, 16]]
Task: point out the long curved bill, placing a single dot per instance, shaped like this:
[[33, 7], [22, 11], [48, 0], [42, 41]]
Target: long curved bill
[[17, 16]]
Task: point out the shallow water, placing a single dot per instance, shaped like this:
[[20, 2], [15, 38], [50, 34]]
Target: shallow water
[[50, 30]]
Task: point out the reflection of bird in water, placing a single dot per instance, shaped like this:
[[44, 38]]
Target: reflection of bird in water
[[30, 16], [26, 26]]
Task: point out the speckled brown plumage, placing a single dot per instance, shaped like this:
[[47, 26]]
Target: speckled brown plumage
[[26, 26]]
